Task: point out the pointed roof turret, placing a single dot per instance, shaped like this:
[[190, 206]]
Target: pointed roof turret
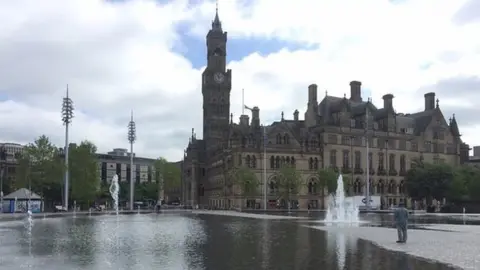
[[454, 127], [216, 23]]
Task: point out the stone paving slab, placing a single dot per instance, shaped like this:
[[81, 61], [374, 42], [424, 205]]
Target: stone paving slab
[[242, 214], [458, 249], [454, 228]]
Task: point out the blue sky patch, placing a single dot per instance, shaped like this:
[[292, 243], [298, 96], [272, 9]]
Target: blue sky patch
[[194, 48]]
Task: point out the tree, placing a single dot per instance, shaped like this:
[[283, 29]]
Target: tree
[[430, 181], [167, 175], [84, 176], [146, 191], [289, 182], [327, 178], [41, 167], [246, 180], [465, 184]]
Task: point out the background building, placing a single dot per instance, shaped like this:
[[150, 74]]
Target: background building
[[8, 164], [118, 162], [333, 134], [114, 162], [475, 159]]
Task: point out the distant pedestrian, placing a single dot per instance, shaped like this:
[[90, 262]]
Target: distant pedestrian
[[401, 222]]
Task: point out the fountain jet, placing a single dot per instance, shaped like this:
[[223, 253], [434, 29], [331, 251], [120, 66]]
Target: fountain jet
[[114, 190], [341, 209]]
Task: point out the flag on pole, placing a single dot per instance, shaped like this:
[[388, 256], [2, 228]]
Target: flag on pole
[[248, 108]]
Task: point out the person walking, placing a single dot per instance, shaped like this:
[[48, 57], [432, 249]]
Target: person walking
[[401, 222]]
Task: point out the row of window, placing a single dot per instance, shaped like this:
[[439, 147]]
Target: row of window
[[276, 162], [282, 139], [313, 163], [382, 143], [118, 171], [379, 188], [358, 160]]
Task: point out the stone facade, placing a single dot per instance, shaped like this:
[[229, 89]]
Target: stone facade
[[334, 134]]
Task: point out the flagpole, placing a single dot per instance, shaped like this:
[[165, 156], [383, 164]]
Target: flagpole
[[264, 168]]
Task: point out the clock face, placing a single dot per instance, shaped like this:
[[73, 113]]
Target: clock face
[[218, 77]]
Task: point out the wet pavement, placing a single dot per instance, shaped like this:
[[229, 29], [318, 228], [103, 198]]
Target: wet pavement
[[199, 240]]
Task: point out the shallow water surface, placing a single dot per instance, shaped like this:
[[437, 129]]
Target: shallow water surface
[[189, 241]]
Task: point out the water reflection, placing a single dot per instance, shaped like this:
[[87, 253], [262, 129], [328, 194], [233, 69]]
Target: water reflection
[[341, 248], [265, 244], [190, 242]]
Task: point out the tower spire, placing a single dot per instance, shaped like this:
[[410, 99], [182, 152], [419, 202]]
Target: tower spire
[[216, 24]]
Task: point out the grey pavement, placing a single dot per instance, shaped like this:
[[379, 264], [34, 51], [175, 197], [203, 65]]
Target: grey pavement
[[459, 248]]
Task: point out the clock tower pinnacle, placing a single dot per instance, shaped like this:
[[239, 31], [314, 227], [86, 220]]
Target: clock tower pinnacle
[[216, 86]]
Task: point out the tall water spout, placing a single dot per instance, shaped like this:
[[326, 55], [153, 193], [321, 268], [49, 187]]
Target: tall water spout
[[341, 209], [114, 190]]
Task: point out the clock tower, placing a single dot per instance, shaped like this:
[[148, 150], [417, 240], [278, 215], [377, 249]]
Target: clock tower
[[216, 86]]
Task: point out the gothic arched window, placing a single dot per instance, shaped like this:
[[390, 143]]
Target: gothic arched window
[[312, 186], [381, 187], [272, 186]]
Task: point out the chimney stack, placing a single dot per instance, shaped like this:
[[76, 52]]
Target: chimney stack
[[295, 115], [244, 120], [356, 91], [312, 93], [387, 101], [429, 101], [255, 116]]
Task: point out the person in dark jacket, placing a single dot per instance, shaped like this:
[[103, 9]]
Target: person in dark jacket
[[401, 222]]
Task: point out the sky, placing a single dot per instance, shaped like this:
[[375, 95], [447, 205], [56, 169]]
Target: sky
[[147, 56]]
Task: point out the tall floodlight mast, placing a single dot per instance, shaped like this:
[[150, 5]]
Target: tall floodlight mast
[[131, 138], [67, 116]]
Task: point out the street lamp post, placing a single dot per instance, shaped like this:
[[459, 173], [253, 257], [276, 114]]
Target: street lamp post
[[67, 116], [131, 138]]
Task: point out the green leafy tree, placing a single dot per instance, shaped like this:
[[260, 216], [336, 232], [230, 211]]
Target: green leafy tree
[[246, 180], [103, 193], [84, 176], [167, 175], [41, 166], [327, 178], [465, 184], [124, 193], [146, 191], [430, 181], [289, 182]]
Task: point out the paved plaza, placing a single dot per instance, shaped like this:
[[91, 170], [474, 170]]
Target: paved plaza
[[455, 245]]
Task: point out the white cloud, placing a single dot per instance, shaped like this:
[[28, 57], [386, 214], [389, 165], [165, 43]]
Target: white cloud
[[118, 57]]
